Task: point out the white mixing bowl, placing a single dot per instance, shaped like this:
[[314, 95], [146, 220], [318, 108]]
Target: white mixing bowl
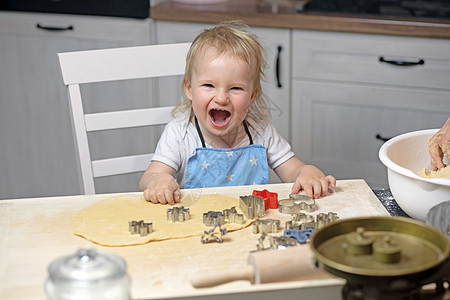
[[404, 156]]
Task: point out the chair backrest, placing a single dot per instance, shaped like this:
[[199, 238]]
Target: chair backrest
[[93, 66]]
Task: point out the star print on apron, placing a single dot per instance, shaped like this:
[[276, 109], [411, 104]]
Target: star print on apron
[[212, 167]]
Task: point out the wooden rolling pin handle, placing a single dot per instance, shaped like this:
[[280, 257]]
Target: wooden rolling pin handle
[[294, 263], [213, 278]]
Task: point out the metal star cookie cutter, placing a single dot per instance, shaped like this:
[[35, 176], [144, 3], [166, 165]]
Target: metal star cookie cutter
[[252, 206], [140, 227], [266, 225], [296, 203], [211, 236], [178, 214]]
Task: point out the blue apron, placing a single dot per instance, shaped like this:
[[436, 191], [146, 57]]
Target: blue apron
[[211, 167]]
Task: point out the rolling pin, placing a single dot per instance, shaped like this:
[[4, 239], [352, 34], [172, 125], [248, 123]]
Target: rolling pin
[[294, 263]]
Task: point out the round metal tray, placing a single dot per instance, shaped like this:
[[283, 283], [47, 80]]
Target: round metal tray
[[422, 247]]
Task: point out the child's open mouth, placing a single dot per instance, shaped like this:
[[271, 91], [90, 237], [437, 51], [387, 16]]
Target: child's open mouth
[[219, 117]]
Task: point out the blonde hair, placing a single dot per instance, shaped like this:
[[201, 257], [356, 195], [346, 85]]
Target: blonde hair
[[229, 37]]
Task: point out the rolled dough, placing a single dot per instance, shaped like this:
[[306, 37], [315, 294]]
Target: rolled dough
[[106, 222]]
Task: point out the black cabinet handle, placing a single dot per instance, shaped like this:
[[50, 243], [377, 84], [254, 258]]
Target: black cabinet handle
[[278, 67], [51, 28], [384, 139], [401, 63]]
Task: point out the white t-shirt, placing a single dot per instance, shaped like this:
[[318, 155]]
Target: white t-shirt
[[180, 139]]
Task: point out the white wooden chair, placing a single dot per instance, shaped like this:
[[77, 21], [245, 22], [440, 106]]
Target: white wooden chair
[[83, 67]]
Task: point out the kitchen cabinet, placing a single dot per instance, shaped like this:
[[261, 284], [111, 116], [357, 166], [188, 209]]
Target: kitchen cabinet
[[37, 153], [335, 96], [276, 87], [344, 95]]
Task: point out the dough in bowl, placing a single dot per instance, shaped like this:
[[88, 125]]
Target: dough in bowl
[[441, 173]]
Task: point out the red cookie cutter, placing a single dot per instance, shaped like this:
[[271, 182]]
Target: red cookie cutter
[[270, 199]]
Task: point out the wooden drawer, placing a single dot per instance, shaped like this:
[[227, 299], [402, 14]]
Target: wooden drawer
[[356, 58]]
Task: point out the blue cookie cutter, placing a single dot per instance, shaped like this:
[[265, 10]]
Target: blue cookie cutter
[[301, 236]]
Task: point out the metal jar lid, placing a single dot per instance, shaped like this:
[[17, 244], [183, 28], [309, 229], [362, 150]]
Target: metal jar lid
[[86, 268]]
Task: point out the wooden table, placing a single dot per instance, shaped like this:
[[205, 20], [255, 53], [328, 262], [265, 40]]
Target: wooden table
[[36, 231]]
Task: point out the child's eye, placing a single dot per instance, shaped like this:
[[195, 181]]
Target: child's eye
[[236, 88], [208, 85]]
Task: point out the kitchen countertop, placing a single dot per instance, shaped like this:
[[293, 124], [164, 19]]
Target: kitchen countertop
[[388, 201], [259, 13]]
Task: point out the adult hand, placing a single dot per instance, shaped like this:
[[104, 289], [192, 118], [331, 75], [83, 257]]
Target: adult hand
[[439, 146]]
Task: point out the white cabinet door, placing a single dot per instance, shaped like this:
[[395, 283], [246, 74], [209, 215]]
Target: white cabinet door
[[174, 32], [276, 87], [37, 153], [348, 88], [337, 124]]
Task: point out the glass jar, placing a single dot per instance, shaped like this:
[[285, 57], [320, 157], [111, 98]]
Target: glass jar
[[88, 275]]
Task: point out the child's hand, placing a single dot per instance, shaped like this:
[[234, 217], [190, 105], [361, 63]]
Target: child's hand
[[313, 182], [162, 188]]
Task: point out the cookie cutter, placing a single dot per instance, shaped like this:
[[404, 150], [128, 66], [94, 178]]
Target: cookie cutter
[[260, 245], [302, 236], [232, 216], [275, 242], [293, 225], [211, 236], [306, 203], [140, 227], [252, 206], [266, 225], [302, 217], [302, 221], [213, 218], [282, 242], [296, 203], [323, 219], [178, 214], [270, 199]]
